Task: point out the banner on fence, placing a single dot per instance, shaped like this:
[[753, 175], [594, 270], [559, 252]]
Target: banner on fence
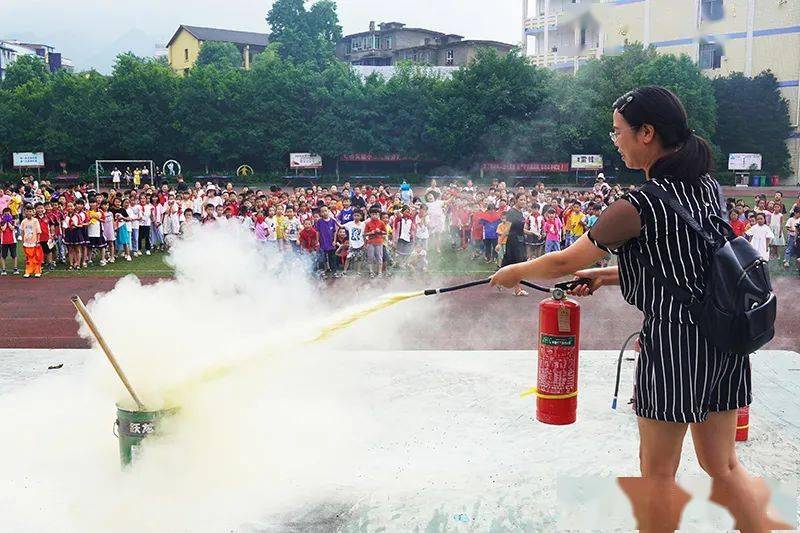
[[28, 159], [525, 167], [744, 161], [587, 162], [305, 160]]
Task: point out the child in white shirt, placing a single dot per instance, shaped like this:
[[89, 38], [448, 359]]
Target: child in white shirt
[[761, 236]]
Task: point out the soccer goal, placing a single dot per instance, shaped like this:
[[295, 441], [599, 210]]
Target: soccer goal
[[104, 167]]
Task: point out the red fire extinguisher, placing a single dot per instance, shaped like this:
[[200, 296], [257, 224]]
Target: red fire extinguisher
[[559, 341], [742, 423]]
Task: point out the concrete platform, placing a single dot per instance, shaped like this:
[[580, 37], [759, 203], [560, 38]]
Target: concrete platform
[[342, 441]]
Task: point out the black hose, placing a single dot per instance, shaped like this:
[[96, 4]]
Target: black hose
[[619, 368], [430, 292], [566, 286]]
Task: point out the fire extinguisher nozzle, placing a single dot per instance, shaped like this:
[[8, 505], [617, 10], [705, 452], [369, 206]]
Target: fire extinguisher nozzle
[[614, 403]]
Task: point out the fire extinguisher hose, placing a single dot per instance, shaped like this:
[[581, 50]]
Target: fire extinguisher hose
[[565, 286], [619, 369]]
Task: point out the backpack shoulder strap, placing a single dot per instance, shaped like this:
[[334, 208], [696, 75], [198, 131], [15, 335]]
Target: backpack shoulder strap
[[723, 206], [680, 293], [681, 211]]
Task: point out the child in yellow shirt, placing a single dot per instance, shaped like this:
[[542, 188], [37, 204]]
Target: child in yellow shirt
[[502, 238], [576, 223]]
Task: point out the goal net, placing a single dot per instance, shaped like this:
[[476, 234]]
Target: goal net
[[104, 167]]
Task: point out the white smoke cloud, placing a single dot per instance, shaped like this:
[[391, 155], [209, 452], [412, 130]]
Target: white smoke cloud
[[268, 424]]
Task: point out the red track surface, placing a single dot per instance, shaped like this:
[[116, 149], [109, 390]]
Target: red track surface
[[39, 314]]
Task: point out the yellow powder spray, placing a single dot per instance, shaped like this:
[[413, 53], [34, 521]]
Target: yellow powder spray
[[339, 323], [357, 314]]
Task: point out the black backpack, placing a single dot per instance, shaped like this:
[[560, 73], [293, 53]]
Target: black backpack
[[737, 312]]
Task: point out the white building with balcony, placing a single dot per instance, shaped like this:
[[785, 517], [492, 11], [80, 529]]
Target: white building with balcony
[[560, 33], [10, 50], [722, 36]]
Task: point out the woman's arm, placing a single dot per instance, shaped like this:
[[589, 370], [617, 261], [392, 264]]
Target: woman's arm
[[551, 266], [618, 224], [598, 277]]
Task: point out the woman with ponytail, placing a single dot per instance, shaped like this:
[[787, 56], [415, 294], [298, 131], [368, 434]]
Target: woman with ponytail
[[682, 380]]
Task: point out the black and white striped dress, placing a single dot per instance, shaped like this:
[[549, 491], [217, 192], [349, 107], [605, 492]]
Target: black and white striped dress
[[680, 376]]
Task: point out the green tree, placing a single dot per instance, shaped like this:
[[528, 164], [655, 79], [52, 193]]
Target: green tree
[[302, 34], [680, 75], [399, 110], [26, 68], [753, 118], [207, 117], [337, 125], [278, 102], [221, 55], [24, 116], [141, 96], [77, 129], [608, 78], [557, 130], [474, 114]]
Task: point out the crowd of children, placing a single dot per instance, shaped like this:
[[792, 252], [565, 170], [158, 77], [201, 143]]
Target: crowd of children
[[369, 230]]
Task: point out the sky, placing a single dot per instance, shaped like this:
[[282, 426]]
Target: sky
[[93, 32]]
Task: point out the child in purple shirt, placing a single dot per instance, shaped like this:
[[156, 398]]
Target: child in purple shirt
[[326, 227]]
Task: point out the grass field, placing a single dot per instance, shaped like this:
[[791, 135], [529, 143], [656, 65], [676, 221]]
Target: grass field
[[449, 263]]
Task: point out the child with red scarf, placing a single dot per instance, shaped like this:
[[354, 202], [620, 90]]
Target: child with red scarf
[[309, 238], [490, 220], [476, 219], [45, 239], [404, 229]]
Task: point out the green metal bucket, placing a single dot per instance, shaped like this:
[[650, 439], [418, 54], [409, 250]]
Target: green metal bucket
[[132, 427]]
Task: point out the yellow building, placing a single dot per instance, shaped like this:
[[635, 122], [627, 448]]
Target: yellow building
[[722, 36], [184, 47]]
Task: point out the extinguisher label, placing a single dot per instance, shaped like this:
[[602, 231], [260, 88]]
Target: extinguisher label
[[552, 340], [558, 365], [563, 320]]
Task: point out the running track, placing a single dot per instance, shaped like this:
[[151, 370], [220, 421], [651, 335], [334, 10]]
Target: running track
[[39, 314]]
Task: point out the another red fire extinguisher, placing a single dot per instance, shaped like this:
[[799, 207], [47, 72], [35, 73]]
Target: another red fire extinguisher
[[559, 343], [742, 423]]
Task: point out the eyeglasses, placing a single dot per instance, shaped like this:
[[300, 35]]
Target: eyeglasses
[[614, 135]]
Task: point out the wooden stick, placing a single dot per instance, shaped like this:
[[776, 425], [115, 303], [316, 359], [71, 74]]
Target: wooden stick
[[76, 301]]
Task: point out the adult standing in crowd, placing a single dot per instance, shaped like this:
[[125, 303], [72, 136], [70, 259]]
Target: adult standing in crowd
[[515, 243]]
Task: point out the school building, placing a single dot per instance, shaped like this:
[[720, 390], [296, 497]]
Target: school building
[[722, 36], [390, 42], [184, 47]]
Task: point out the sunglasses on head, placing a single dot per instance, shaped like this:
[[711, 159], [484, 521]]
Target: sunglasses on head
[[623, 101]]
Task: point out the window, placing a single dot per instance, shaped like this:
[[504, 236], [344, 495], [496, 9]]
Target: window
[[450, 58], [710, 56], [186, 54], [427, 41], [712, 9], [583, 37], [389, 43]]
